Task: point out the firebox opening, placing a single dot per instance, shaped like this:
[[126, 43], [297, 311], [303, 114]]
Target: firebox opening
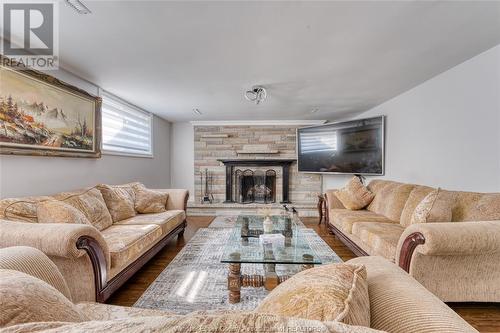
[[257, 186]]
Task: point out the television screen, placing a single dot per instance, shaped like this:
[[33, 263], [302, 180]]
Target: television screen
[[350, 147]]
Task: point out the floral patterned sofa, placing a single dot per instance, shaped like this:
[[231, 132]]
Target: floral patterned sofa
[[35, 298], [454, 253], [96, 236]]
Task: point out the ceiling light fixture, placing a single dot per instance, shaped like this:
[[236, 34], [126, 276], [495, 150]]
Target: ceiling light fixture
[[257, 94], [78, 6], [197, 111]]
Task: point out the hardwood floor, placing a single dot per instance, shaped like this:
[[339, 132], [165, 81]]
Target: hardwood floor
[[484, 317]]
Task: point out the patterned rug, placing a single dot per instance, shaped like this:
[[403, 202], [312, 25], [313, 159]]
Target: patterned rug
[[196, 280]]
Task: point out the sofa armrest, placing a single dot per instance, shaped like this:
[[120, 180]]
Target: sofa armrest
[[177, 198], [448, 239], [33, 262], [64, 240], [332, 201]]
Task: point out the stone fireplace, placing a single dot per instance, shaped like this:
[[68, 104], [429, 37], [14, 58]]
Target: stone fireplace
[[255, 180], [250, 166]]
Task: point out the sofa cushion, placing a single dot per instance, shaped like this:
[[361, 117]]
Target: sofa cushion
[[119, 200], [344, 218], [378, 184], [381, 238], [149, 201], [21, 209], [354, 195], [331, 292], [55, 211], [390, 200], [435, 207], [416, 196], [26, 299], [167, 220], [127, 242], [91, 203], [470, 206]]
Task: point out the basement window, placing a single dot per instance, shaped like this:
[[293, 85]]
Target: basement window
[[126, 129]]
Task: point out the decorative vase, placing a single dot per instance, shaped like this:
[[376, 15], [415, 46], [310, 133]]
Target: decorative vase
[[268, 225]]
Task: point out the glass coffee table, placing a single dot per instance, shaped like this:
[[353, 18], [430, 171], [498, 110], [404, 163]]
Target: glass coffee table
[[244, 247]]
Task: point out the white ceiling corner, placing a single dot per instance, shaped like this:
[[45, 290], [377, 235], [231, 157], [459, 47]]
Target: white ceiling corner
[[342, 57]]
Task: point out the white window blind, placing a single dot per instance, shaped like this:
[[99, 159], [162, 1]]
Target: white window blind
[[319, 140], [126, 129]]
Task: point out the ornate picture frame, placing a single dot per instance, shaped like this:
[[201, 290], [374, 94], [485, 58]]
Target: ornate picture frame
[[44, 116]]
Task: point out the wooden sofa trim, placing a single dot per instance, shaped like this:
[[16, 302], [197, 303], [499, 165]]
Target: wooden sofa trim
[[409, 245], [347, 241], [105, 289], [98, 260]]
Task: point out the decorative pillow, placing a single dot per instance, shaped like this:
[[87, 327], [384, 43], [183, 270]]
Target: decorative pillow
[[55, 211], [149, 201], [26, 299], [91, 203], [435, 207], [331, 292], [354, 195], [20, 209], [416, 196], [119, 200]]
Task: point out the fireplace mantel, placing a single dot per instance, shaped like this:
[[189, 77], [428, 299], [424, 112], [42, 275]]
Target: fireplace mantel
[[231, 163], [258, 162]]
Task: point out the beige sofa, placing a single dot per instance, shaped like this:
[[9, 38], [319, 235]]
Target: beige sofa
[[96, 258], [398, 304], [457, 259]]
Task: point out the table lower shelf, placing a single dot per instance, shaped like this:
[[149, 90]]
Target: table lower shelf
[[236, 280]]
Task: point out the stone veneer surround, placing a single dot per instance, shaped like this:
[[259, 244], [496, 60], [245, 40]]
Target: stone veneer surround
[[211, 144]]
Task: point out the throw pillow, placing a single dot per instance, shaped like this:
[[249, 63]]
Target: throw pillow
[[91, 203], [119, 200], [55, 211], [331, 292], [354, 195], [20, 209], [149, 201], [435, 207], [26, 299]]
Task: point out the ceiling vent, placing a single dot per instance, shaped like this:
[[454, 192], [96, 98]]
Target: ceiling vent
[[78, 6]]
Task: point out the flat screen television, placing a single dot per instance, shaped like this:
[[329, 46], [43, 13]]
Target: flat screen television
[[349, 147]]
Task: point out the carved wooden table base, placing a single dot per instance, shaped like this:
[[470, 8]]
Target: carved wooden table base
[[236, 280]]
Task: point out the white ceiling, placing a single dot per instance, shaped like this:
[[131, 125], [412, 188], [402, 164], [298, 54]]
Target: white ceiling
[[343, 57]]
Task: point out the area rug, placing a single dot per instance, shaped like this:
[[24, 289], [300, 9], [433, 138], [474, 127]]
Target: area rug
[[196, 280]]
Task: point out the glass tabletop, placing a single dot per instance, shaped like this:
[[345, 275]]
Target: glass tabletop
[[290, 246]]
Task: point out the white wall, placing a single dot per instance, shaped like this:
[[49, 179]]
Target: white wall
[[446, 131], [26, 175], [182, 158]]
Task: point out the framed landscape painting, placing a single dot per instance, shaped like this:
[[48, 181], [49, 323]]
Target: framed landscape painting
[[40, 115]]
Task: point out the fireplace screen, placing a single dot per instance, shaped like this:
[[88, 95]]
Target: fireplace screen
[[254, 186]]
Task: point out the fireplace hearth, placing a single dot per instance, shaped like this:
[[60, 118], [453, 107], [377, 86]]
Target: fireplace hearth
[[245, 184]]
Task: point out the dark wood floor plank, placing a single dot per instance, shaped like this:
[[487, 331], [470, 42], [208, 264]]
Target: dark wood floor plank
[[484, 317]]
